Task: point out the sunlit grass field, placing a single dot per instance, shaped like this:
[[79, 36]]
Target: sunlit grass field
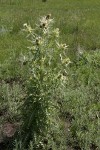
[[79, 21]]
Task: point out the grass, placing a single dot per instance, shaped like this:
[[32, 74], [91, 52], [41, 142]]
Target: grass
[[78, 21], [79, 25], [82, 102]]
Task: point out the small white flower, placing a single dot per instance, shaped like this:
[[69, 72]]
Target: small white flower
[[62, 46], [25, 24]]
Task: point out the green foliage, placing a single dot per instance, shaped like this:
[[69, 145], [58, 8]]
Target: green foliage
[[82, 104], [11, 98], [13, 73], [15, 68], [78, 21], [47, 73], [79, 99]]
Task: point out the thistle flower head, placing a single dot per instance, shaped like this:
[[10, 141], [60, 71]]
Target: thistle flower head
[[62, 46], [39, 41], [28, 27], [45, 21], [25, 25], [48, 16]]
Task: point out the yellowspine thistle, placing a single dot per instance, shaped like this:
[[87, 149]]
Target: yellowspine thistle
[[45, 21], [28, 27], [39, 41], [48, 16]]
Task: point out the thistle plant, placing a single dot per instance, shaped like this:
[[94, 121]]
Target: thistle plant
[[47, 73]]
